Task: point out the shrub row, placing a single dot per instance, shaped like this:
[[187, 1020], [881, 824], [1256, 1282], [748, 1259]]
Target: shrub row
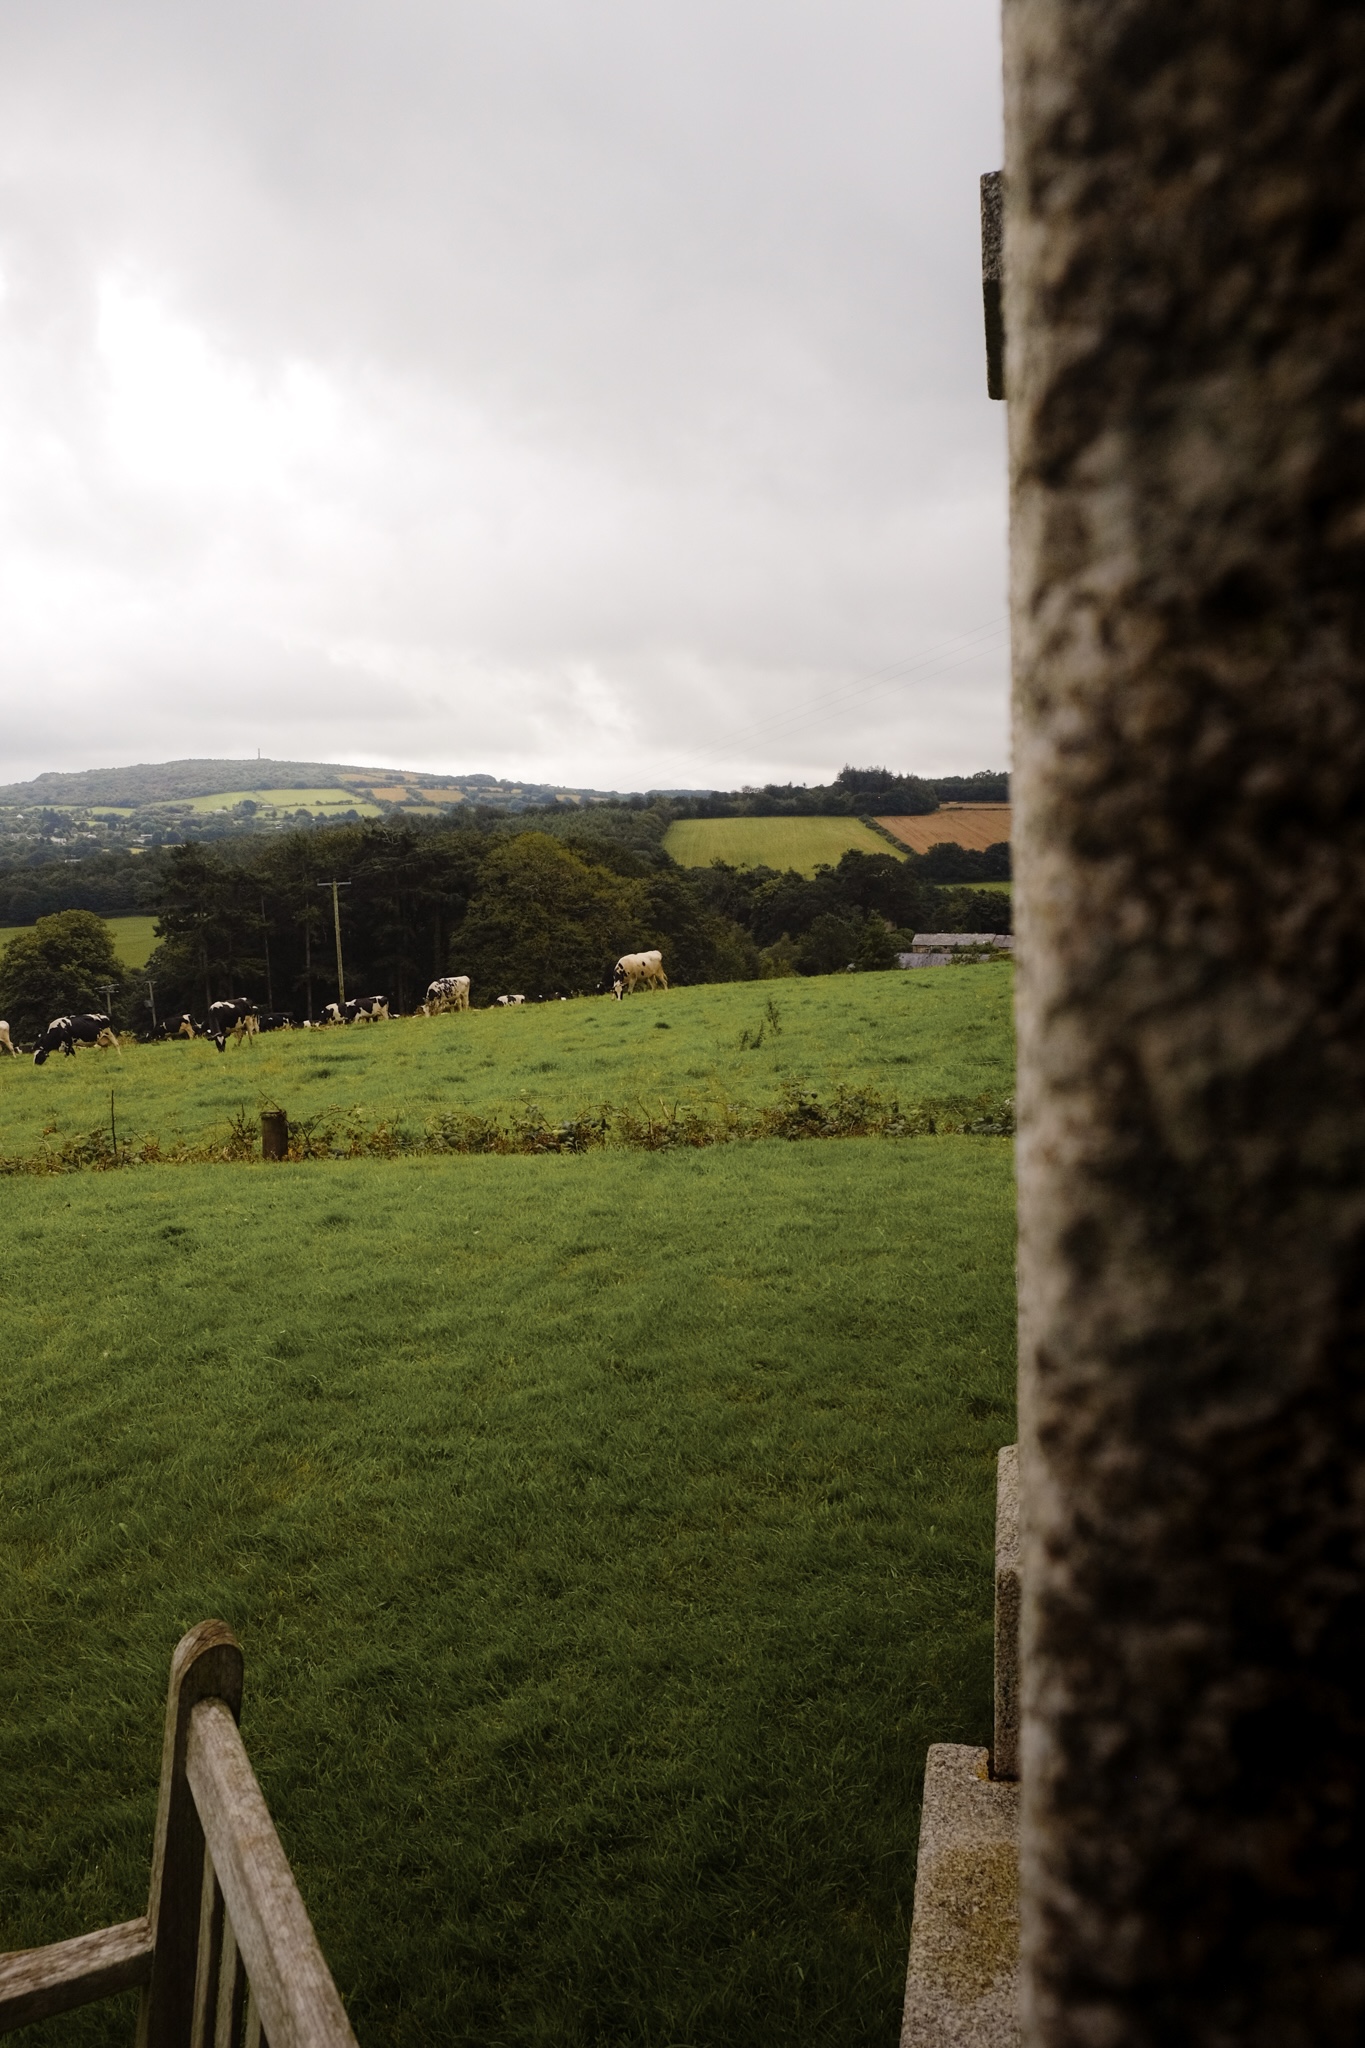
[[797, 1114]]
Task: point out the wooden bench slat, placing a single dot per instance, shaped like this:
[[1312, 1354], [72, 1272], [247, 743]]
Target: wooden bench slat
[[291, 1985], [35, 1983]]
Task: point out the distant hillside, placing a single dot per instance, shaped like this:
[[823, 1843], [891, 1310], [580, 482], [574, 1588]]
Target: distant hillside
[[177, 782], [67, 818]]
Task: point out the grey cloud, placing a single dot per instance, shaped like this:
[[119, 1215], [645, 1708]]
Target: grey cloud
[[591, 391]]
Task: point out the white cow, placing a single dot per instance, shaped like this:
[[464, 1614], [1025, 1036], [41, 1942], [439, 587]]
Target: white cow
[[632, 969], [450, 992], [6, 1042], [506, 1002]]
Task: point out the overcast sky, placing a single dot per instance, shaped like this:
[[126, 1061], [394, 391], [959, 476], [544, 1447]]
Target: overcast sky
[[590, 390]]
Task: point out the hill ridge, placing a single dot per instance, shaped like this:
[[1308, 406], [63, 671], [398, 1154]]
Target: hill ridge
[[150, 782]]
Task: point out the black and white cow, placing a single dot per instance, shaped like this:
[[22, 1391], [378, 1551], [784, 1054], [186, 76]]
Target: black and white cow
[[182, 1025], [450, 992], [236, 1015], [366, 1009], [274, 1020], [634, 968], [6, 1042], [509, 1002], [93, 1027]]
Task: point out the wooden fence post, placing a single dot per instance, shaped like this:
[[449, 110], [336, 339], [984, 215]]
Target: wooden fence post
[[274, 1134], [207, 1665]]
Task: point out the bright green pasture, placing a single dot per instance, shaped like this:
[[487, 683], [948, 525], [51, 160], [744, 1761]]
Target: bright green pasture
[[607, 1537], [918, 1036], [801, 843], [134, 938]]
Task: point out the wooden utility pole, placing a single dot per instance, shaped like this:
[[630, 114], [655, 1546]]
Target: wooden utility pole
[[265, 943], [334, 885]]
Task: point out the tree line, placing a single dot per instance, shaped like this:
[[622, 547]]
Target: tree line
[[539, 912]]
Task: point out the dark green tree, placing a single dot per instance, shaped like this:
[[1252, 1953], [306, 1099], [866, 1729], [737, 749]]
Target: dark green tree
[[62, 963], [859, 940], [699, 944], [545, 921], [209, 929]]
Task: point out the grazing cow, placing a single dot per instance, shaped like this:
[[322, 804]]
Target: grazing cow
[[236, 1016], [450, 992], [633, 968], [368, 1008], [6, 1041], [274, 1020], [180, 1026], [507, 1002], [92, 1028]]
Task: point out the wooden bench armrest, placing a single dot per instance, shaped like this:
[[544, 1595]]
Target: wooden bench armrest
[[290, 1981]]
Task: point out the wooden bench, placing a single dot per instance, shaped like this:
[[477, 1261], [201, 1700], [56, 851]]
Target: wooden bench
[[226, 1956]]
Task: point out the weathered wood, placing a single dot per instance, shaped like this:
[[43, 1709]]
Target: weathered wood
[[207, 1664], [291, 1986], [35, 1983], [992, 272], [208, 1957], [232, 1991]]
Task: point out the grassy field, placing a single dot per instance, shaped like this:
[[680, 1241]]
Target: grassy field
[[319, 801], [607, 1538], [607, 1535], [915, 1037], [134, 938], [801, 843]]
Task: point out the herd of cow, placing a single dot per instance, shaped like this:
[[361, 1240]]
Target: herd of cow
[[238, 1018]]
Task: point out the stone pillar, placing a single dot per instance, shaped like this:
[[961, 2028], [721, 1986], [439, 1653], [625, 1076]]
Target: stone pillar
[[1185, 306]]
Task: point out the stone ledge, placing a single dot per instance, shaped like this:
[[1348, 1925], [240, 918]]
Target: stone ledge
[[962, 1988]]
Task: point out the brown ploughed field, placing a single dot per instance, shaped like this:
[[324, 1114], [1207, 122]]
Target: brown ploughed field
[[972, 825]]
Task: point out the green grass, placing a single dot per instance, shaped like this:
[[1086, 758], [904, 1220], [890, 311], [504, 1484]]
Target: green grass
[[607, 1538], [801, 843], [134, 938], [915, 1037]]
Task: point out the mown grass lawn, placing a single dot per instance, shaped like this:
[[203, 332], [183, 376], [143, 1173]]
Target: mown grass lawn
[[801, 843], [913, 1036], [607, 1536]]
